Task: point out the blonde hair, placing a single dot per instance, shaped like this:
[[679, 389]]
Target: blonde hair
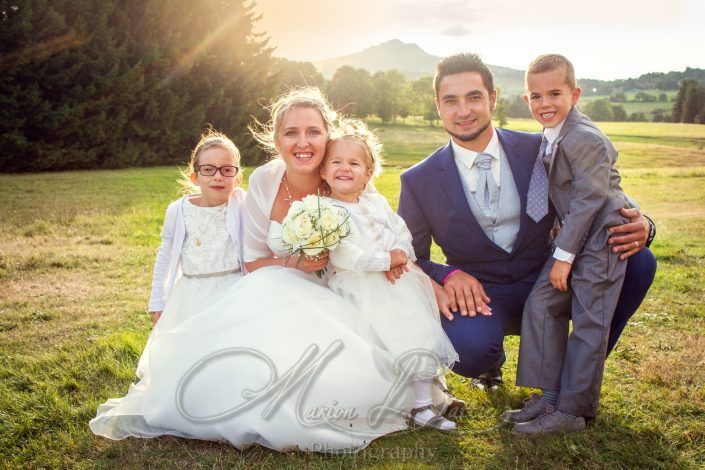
[[209, 139], [550, 62], [304, 97], [357, 132]]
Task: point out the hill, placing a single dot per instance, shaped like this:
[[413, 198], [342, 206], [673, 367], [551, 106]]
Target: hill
[[412, 61]]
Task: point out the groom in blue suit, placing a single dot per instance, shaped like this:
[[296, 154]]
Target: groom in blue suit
[[469, 197]]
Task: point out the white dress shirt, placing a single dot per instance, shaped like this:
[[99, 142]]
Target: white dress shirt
[[465, 159], [551, 134]]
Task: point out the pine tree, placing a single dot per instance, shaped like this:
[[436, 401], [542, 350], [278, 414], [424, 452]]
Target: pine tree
[[109, 83]]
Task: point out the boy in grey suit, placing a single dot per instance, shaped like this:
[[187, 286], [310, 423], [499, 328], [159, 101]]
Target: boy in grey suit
[[576, 169]]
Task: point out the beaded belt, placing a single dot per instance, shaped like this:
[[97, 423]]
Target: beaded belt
[[204, 276]]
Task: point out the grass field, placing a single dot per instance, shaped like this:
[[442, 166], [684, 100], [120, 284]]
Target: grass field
[[76, 251]]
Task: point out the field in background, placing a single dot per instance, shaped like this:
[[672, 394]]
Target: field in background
[[632, 106], [76, 251]]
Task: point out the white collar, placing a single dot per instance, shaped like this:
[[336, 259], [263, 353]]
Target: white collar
[[552, 133], [467, 156]]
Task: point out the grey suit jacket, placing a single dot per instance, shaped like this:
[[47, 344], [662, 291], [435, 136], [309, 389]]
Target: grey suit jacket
[[583, 180]]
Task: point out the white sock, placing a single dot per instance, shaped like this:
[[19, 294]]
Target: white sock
[[422, 389]]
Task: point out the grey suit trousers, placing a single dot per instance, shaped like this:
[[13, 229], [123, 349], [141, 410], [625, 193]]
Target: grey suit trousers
[[551, 358]]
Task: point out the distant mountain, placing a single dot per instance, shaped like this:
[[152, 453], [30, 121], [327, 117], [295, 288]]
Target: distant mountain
[[412, 61]]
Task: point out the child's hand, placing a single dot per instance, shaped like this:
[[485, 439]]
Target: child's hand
[[398, 257], [155, 317], [397, 265], [559, 275], [395, 273]]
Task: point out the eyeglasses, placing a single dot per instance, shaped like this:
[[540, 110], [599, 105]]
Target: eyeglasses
[[209, 170]]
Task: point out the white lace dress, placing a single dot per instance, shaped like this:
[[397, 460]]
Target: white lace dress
[[210, 267], [278, 361], [403, 316]]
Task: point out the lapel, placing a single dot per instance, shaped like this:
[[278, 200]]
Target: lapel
[[521, 161], [516, 157], [449, 179], [573, 118]]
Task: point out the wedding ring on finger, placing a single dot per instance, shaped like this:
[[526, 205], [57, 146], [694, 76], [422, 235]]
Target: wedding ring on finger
[[636, 243]]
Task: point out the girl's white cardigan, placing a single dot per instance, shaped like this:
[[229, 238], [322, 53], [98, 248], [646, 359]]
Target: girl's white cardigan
[[167, 266]]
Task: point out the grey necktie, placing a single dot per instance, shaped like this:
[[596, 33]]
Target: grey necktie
[[487, 193], [537, 198]]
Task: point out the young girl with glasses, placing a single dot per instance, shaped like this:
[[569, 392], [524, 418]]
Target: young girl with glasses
[[201, 250], [199, 258]]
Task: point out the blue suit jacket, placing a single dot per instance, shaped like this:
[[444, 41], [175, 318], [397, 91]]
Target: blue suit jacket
[[434, 206]]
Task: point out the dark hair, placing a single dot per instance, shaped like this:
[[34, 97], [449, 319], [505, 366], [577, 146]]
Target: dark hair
[[460, 63]]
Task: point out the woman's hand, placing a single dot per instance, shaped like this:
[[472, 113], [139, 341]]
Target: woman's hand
[[155, 317], [631, 237], [307, 264], [442, 300]]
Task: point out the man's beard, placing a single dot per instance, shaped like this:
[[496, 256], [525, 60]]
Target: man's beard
[[468, 137]]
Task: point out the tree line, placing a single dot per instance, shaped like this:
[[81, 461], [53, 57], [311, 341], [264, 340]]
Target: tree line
[[113, 83]]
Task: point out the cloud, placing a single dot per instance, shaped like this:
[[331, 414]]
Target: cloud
[[437, 13], [456, 31]]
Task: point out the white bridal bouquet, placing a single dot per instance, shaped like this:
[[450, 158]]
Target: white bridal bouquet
[[314, 225]]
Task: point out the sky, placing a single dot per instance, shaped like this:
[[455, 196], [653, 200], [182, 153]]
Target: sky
[[605, 39]]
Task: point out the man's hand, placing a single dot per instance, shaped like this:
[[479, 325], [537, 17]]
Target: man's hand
[[631, 237], [155, 317], [467, 294], [559, 275]]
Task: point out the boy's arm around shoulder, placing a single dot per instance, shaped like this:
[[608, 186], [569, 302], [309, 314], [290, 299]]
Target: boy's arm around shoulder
[[589, 155], [163, 258]]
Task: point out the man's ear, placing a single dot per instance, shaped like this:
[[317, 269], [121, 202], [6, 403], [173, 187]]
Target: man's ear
[[438, 106]]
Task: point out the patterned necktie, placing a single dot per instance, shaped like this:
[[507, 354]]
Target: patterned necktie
[[537, 199], [487, 193]]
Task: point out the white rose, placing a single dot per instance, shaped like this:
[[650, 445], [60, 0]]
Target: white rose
[[310, 203], [303, 226], [332, 240], [314, 245], [296, 208], [289, 235], [329, 221]]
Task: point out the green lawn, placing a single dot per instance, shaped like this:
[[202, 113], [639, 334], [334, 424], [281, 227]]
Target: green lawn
[[76, 251]]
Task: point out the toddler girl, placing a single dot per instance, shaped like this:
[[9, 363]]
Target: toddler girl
[[373, 268]]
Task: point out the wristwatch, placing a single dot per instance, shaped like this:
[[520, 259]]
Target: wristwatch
[[652, 230]]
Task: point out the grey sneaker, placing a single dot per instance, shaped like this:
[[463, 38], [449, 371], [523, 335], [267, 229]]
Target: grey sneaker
[[533, 407], [550, 421]]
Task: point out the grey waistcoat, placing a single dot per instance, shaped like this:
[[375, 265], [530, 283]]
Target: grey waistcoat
[[503, 231]]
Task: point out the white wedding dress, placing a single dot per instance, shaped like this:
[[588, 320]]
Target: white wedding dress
[[279, 360]]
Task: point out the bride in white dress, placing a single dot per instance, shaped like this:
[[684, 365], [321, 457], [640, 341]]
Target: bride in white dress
[[278, 359]]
